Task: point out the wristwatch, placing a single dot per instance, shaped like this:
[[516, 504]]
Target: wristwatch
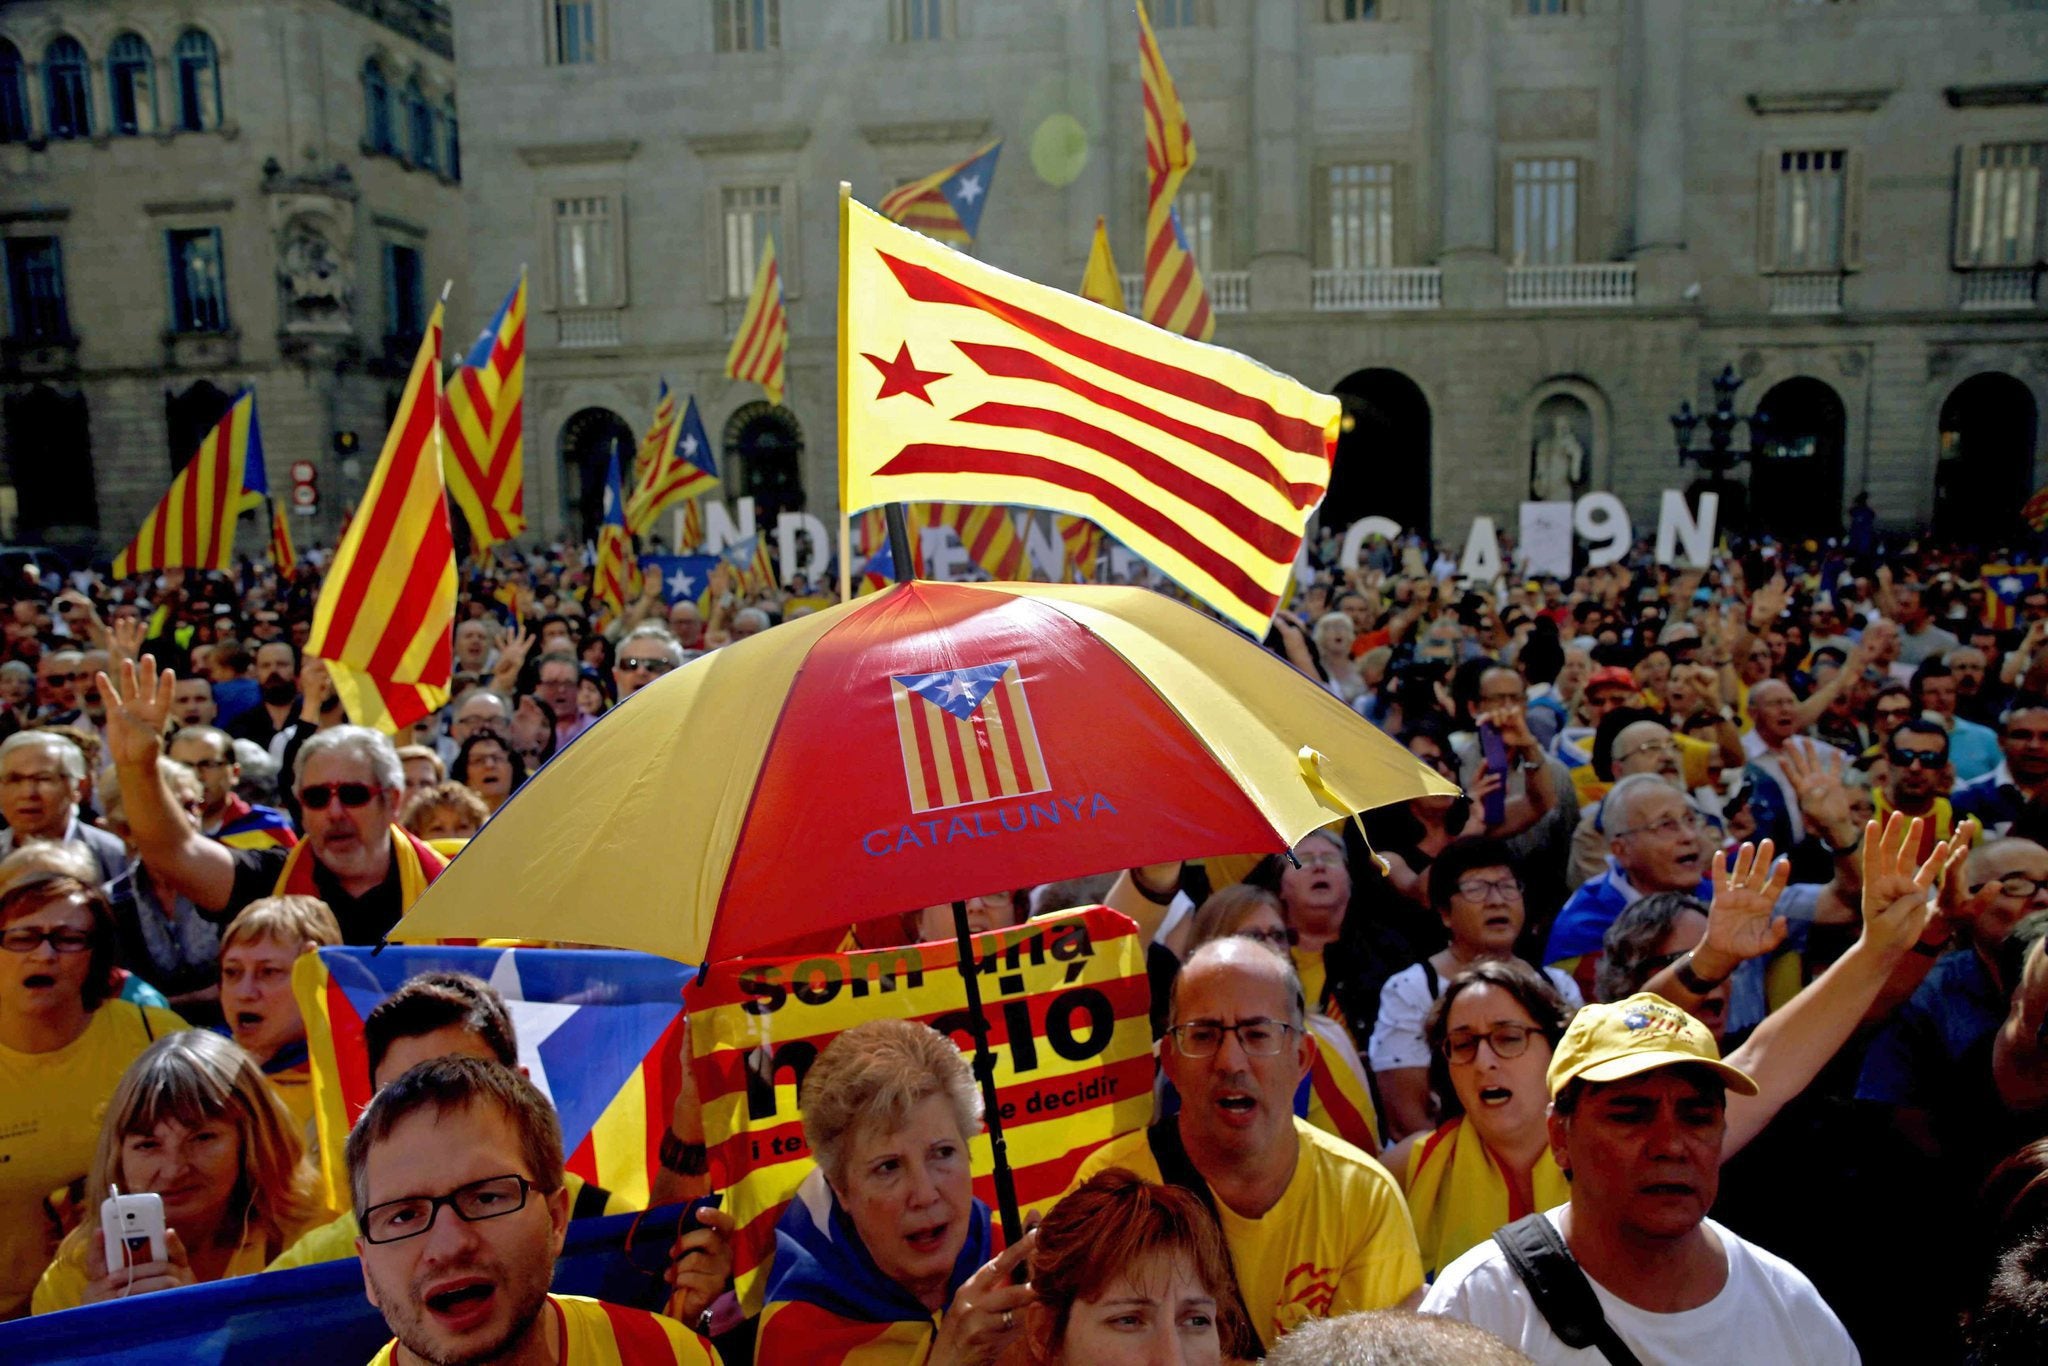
[[1692, 981]]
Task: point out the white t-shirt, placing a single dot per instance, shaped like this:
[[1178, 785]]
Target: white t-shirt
[[1768, 1314], [1405, 1000]]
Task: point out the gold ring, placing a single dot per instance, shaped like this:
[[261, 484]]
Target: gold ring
[[1009, 1320]]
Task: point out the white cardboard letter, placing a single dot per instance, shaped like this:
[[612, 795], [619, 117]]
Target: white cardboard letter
[[1359, 532], [1482, 553], [1603, 521], [786, 528], [1676, 529], [719, 529]]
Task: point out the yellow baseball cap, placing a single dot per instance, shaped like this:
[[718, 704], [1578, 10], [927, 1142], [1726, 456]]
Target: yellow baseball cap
[[1627, 1038]]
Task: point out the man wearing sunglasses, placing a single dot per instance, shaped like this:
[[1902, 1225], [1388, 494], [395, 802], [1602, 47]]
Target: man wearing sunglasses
[[456, 1175], [1917, 778], [57, 680], [1316, 1228], [645, 654], [348, 781]]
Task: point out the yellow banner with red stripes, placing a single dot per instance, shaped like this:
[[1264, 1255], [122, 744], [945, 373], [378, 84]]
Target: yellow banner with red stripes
[[1066, 999]]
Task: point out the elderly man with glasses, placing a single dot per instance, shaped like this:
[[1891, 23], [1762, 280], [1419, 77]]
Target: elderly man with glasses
[[1315, 1227], [558, 675], [41, 777], [348, 781]]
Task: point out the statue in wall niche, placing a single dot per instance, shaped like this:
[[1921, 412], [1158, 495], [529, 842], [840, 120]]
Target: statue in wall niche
[[1557, 458], [314, 276]]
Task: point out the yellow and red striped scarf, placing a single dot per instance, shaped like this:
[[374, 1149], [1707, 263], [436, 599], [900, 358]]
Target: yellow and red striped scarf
[[1457, 1195], [418, 865]]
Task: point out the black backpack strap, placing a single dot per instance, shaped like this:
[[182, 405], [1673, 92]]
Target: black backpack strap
[[1176, 1168], [1429, 979], [1560, 1289], [147, 1027]]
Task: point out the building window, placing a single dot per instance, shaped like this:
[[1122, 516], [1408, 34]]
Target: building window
[[574, 32], [454, 140], [1340, 11], [419, 126], [198, 82], [2001, 220], [1199, 205], [14, 116], [1182, 13], [405, 295], [920, 21], [1811, 192], [753, 213], [748, 25], [1541, 7], [1545, 204], [131, 85], [199, 287], [586, 254], [377, 110], [67, 94], [1361, 227], [35, 290]]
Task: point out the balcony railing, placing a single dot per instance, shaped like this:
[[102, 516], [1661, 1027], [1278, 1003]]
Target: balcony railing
[[2004, 288], [1607, 284], [1818, 292], [587, 327], [1366, 291], [1230, 291]]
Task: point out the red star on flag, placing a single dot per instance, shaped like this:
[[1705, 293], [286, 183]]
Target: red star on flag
[[901, 376]]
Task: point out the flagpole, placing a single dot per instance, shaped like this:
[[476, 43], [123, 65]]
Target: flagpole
[[845, 357]]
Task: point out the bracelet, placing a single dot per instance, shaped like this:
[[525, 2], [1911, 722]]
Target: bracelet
[[1691, 980], [684, 1159], [1843, 851], [1156, 898]]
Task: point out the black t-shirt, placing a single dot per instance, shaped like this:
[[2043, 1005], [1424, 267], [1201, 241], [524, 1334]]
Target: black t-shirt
[[364, 920]]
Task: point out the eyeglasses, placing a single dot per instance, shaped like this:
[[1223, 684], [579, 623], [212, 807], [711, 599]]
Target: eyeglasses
[[352, 795], [1258, 1038], [65, 678], [1894, 711], [1664, 747], [627, 664], [1487, 889], [1278, 939], [1327, 859], [20, 780], [28, 938], [1665, 828], [494, 1197], [2016, 885], [1924, 758], [1507, 1041]]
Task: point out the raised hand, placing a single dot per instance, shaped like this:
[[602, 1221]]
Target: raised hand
[[1815, 772], [1896, 906], [987, 1312], [128, 635], [511, 658], [137, 708], [699, 1265], [1740, 920]]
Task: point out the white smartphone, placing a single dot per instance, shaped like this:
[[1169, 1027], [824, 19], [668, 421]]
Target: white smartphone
[[134, 1229]]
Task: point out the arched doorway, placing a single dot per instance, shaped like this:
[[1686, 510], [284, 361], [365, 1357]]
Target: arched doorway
[[764, 448], [1795, 478], [49, 465], [189, 416], [1985, 471], [1383, 449], [588, 439]]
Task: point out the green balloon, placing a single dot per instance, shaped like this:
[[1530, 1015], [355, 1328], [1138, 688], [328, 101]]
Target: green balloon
[[1059, 149]]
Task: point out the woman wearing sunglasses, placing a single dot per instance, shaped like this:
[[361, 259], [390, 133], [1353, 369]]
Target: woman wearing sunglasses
[[65, 1038]]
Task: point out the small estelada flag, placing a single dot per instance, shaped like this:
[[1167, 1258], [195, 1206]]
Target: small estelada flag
[[967, 736]]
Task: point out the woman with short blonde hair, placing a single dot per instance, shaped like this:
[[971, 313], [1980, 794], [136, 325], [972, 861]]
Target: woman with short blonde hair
[[193, 1117]]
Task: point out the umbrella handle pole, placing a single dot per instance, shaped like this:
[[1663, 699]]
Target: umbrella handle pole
[[899, 542], [984, 1059]]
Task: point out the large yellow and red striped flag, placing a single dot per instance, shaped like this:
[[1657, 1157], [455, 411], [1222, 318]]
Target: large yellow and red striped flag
[[661, 434], [387, 610], [482, 427], [1175, 297], [757, 351], [1100, 281], [193, 525], [974, 386], [986, 533], [283, 557]]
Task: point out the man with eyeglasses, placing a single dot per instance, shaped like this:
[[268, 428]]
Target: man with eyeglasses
[[2012, 799], [646, 653], [225, 816], [42, 775], [1315, 1227], [348, 781], [456, 1175], [1927, 1062], [558, 675]]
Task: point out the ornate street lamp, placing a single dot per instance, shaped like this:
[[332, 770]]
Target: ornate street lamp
[[1721, 454]]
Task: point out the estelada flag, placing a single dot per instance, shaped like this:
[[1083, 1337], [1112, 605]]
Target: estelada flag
[[599, 1033], [386, 615], [947, 204], [2006, 585], [968, 385], [483, 426], [193, 525], [1067, 1001], [683, 468]]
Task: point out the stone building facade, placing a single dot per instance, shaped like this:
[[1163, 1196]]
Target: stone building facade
[[1513, 234], [200, 196]]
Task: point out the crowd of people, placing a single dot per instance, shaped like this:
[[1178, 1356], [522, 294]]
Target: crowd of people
[[1742, 910]]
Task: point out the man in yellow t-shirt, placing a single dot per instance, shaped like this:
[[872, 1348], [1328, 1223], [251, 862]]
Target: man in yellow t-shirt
[[1315, 1227]]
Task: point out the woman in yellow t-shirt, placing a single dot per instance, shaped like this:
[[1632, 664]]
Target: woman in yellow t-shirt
[[64, 1039], [194, 1122]]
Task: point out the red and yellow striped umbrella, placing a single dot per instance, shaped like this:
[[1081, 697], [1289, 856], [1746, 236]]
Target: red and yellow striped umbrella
[[919, 746]]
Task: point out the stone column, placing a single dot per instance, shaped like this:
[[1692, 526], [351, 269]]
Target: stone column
[[1279, 85], [1656, 39], [1466, 135], [1087, 38]]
